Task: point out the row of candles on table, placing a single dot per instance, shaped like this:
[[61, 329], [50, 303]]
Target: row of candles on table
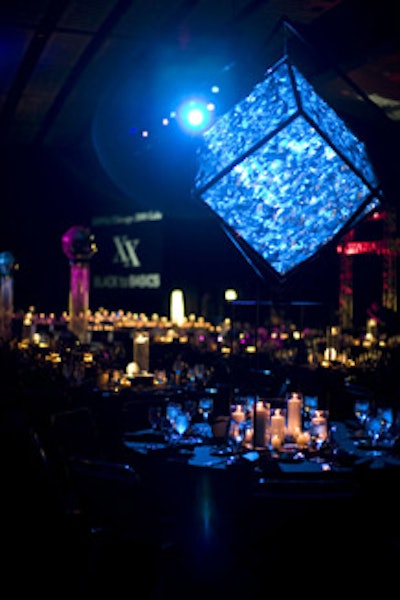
[[295, 421]]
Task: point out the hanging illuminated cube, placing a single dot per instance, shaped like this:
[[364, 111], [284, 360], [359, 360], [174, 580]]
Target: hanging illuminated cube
[[283, 171]]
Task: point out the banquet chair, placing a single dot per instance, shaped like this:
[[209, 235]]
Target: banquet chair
[[74, 432], [126, 537], [220, 428], [135, 414], [37, 515]]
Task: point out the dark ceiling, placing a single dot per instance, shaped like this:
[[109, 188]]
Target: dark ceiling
[[81, 79], [64, 62]]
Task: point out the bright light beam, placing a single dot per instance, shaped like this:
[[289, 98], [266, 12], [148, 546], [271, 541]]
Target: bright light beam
[[195, 116]]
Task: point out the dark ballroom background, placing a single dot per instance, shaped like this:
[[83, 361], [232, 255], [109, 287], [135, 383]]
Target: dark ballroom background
[[190, 458], [79, 80]]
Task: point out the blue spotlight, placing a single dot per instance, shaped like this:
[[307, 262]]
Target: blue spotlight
[[195, 116]]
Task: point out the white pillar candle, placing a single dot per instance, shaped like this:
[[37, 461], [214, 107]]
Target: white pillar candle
[[261, 423], [278, 424], [294, 408]]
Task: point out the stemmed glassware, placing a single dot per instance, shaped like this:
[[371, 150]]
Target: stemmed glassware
[[362, 411], [178, 419], [374, 429], [385, 413], [190, 406], [182, 422], [155, 417], [172, 410], [383, 425], [206, 406]]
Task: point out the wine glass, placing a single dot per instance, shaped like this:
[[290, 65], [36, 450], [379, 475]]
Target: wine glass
[[206, 405], [172, 410], [362, 411], [374, 429], [182, 423], [310, 404], [385, 414], [155, 417], [190, 406]]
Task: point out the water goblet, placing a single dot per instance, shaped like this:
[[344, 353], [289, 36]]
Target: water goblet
[[182, 422], [172, 410], [206, 405], [362, 411], [374, 428], [190, 406], [310, 404], [155, 417], [385, 414]]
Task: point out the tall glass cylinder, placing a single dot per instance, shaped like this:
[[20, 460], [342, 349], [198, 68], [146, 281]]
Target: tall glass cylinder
[[141, 350]]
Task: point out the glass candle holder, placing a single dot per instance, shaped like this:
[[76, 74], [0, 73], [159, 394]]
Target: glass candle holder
[[319, 425]]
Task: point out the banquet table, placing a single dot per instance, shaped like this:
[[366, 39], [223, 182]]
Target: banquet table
[[344, 453], [234, 509], [333, 470]]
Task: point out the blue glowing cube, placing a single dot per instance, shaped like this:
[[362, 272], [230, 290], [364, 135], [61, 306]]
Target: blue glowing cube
[[284, 172]]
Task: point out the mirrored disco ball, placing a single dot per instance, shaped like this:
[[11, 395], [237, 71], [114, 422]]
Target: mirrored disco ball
[[283, 171]]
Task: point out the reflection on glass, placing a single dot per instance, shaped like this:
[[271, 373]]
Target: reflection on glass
[[374, 428]]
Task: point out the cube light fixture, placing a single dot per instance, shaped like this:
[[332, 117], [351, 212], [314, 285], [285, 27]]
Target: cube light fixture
[[283, 172]]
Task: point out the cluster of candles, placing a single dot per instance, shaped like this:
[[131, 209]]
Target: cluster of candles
[[294, 422]]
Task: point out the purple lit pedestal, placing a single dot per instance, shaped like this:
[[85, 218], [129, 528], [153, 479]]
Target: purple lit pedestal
[[79, 247], [79, 300]]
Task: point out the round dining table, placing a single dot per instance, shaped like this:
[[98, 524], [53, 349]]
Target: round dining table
[[239, 512]]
